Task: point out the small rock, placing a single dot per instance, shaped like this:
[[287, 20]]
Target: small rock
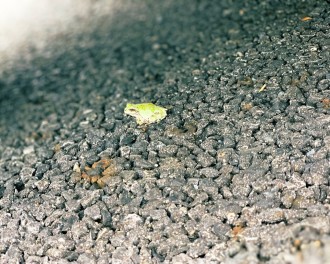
[[205, 160], [93, 212]]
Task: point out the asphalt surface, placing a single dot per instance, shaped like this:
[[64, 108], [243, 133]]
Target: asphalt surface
[[238, 171]]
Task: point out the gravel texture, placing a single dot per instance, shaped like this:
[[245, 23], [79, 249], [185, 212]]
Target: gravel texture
[[238, 172]]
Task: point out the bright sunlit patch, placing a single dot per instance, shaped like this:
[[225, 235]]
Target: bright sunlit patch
[[34, 21]]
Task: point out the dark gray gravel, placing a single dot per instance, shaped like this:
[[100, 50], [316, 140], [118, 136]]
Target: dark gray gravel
[[232, 175]]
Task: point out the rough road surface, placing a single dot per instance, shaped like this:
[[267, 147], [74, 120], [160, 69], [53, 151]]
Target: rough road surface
[[238, 171]]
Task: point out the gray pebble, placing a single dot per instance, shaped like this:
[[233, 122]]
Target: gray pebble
[[93, 212], [205, 160], [91, 197], [209, 172], [41, 169]]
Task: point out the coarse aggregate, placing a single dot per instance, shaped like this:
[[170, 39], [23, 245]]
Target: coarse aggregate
[[233, 174]]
